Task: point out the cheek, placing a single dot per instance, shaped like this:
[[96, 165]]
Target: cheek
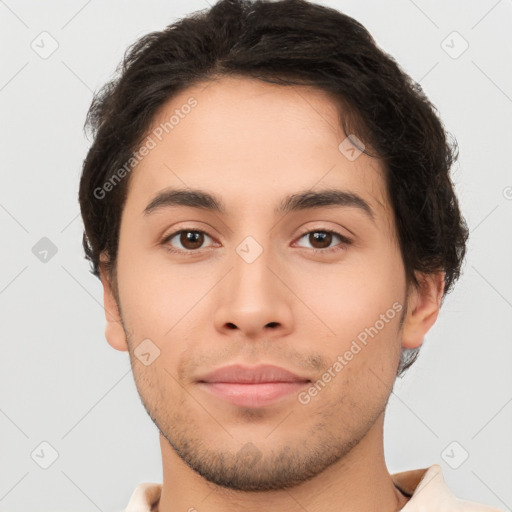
[[347, 299], [360, 309], [167, 304]]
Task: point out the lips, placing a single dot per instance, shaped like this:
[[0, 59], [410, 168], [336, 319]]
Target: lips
[[251, 375], [251, 386]]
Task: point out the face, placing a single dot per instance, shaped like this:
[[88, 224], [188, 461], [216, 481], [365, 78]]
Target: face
[[317, 288]]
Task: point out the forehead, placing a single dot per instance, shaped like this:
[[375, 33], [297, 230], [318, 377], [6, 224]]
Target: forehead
[[252, 143]]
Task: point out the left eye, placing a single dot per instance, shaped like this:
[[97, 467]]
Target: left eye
[[322, 239]]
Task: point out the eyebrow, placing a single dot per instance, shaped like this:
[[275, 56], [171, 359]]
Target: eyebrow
[[304, 200]]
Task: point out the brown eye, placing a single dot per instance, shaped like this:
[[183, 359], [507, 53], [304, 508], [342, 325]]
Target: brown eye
[[185, 240], [321, 240], [191, 239]]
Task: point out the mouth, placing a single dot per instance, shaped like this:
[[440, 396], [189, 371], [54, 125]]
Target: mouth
[[251, 386]]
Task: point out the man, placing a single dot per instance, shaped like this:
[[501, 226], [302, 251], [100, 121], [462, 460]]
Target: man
[[267, 202]]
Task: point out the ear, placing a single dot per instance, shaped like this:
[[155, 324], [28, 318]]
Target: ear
[[114, 331], [423, 304]]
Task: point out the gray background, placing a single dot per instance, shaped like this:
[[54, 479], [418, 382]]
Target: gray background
[[64, 385]]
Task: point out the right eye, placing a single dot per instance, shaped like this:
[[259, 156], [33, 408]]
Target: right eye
[[190, 239]]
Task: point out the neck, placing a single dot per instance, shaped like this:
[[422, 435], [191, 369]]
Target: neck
[[360, 481]]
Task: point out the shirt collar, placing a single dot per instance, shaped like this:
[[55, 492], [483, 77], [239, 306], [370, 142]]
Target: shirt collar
[[425, 486]]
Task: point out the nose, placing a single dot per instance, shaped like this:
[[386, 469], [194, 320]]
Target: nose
[[254, 299]]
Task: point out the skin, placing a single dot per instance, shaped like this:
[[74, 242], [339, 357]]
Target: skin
[[252, 143]]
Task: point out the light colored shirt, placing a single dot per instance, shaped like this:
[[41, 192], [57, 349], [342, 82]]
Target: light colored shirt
[[427, 488]]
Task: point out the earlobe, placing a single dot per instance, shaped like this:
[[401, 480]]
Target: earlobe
[[423, 305], [114, 331]]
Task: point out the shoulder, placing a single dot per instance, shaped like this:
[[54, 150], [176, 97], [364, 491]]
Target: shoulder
[[429, 491], [471, 506], [145, 495]]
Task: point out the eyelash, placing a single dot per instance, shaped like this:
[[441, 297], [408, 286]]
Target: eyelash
[[340, 247]]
